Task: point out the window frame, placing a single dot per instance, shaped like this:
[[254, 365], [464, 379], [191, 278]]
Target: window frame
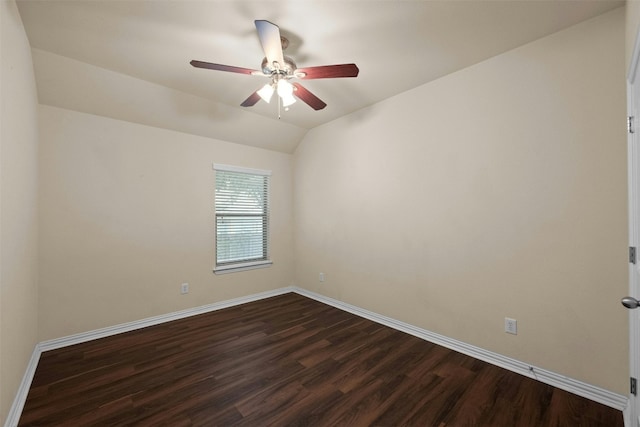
[[229, 267]]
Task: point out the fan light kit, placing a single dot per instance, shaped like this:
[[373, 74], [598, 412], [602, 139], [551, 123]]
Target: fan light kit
[[284, 88], [280, 69]]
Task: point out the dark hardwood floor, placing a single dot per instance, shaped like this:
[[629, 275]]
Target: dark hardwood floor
[[288, 361]]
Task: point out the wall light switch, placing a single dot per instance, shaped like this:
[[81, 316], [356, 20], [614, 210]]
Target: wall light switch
[[184, 288]]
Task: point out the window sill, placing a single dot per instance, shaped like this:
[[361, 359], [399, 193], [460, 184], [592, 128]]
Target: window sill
[[225, 269]]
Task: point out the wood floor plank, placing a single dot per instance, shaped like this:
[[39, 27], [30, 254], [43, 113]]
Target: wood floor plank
[[288, 361]]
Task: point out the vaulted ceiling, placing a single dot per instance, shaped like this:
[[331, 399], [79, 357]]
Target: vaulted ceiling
[[129, 60]]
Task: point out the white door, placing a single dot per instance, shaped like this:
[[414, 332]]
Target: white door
[[633, 107]]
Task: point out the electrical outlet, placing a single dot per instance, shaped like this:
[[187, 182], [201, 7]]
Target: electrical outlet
[[510, 326], [321, 277], [184, 288]]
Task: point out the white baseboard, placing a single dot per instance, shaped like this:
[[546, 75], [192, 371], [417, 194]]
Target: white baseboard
[[151, 321], [580, 388], [21, 396], [571, 385]]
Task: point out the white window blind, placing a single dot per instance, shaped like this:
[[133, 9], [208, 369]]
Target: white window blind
[[242, 217]]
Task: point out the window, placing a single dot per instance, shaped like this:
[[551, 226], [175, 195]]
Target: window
[[242, 218]]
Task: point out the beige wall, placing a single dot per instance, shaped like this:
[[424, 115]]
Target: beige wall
[[496, 191], [18, 205], [126, 217]]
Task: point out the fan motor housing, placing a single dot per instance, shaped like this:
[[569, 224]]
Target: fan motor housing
[[287, 68]]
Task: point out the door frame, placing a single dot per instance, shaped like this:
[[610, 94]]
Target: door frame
[[632, 414]]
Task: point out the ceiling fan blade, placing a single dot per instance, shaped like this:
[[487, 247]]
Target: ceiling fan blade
[[220, 67], [251, 100], [327, 71], [269, 35], [312, 100]]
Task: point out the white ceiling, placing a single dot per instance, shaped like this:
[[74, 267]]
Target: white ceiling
[[130, 59]]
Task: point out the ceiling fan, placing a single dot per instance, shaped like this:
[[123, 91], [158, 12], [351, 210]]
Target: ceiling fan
[[280, 69]]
